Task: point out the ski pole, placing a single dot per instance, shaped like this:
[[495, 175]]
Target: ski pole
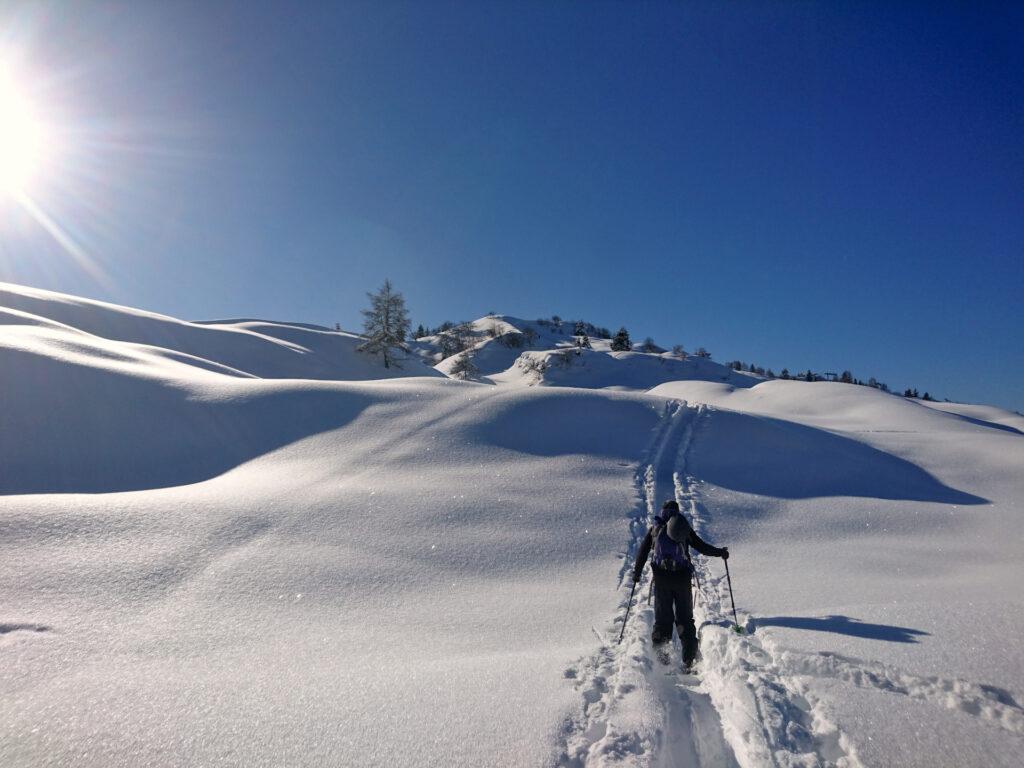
[[736, 626], [650, 591], [628, 606]]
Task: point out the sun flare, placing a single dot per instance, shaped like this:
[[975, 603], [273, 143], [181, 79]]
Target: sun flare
[[21, 138]]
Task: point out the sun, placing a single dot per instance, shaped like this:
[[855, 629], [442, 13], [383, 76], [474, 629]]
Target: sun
[[21, 138]]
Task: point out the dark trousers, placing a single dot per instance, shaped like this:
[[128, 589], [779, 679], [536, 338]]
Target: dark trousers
[[673, 604]]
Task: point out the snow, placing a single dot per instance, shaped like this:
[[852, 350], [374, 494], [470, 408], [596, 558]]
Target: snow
[[243, 542]]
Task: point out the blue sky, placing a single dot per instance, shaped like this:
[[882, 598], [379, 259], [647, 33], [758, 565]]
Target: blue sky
[[825, 185]]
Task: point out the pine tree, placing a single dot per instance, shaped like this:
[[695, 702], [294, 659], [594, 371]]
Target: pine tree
[[621, 342], [385, 324], [420, 332], [784, 374], [579, 329], [846, 377], [808, 376]]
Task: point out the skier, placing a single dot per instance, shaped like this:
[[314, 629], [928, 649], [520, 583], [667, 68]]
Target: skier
[[671, 536]]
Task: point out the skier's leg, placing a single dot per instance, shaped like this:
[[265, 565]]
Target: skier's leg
[[662, 632], [683, 599]]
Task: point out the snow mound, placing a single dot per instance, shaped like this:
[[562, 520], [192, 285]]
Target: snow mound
[[509, 350], [254, 348]]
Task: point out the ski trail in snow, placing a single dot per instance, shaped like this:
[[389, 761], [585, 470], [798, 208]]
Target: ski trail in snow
[[770, 718], [763, 691], [636, 711]]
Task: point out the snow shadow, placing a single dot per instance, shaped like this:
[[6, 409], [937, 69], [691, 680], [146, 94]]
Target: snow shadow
[[81, 429], [6, 629], [773, 457], [843, 625]]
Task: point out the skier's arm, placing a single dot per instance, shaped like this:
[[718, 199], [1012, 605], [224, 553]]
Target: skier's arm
[[641, 555], [704, 548]]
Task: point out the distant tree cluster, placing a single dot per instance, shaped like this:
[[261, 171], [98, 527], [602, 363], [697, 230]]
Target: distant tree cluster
[[914, 394], [846, 377]]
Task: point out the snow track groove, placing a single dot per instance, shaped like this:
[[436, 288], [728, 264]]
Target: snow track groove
[[764, 691], [635, 711]]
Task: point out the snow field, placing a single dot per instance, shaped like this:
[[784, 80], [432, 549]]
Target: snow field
[[243, 543]]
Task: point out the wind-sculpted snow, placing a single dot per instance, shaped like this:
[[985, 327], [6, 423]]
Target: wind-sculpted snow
[[200, 565], [253, 348]]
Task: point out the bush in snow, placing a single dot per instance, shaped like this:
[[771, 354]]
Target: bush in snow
[[582, 342], [385, 324], [511, 339], [563, 359], [701, 352], [530, 364], [463, 367], [648, 345], [621, 342], [678, 351]]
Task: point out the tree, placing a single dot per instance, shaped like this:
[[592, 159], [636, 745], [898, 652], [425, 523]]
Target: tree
[[678, 351], [701, 352], [784, 374], [770, 374], [621, 342], [809, 376], [649, 345], [420, 332], [582, 342], [579, 329], [463, 367], [530, 335], [846, 377], [385, 324]]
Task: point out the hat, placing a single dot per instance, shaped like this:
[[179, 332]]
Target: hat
[[678, 529], [670, 504]]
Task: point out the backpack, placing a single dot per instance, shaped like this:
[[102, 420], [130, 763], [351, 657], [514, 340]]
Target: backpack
[[668, 554]]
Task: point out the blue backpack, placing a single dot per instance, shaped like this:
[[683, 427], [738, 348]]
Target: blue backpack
[[669, 555]]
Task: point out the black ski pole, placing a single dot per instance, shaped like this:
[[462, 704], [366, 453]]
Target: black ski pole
[[628, 606], [736, 627]]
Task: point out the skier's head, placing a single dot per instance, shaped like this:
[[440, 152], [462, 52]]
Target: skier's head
[[669, 508]]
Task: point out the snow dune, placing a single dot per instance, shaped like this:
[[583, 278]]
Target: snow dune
[[242, 542]]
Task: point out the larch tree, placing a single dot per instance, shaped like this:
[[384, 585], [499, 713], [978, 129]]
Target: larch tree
[[385, 324]]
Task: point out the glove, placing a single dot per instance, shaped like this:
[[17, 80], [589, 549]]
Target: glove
[[725, 553]]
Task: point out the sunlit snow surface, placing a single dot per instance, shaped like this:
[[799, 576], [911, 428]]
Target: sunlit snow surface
[[244, 543]]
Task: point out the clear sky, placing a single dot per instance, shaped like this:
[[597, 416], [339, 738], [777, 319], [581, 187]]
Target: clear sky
[[824, 185]]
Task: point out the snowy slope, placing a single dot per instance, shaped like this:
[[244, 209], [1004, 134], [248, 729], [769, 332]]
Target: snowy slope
[[875, 541], [255, 348], [242, 543], [503, 353]]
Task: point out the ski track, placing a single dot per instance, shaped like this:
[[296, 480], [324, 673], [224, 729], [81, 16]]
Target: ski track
[[755, 703], [764, 693], [635, 711]]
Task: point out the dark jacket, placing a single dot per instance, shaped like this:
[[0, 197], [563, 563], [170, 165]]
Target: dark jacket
[[692, 540]]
